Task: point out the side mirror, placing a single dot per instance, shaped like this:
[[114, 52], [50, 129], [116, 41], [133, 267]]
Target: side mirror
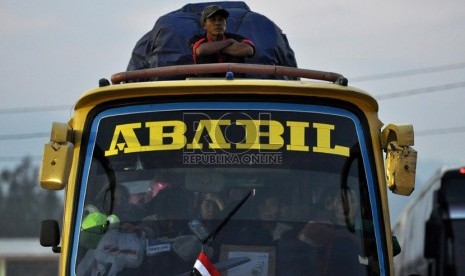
[[57, 158], [401, 159], [50, 235]]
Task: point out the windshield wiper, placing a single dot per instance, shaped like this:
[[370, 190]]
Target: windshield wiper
[[232, 262], [213, 234]]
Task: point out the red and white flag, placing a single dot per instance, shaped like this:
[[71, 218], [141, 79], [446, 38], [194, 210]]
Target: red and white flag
[[203, 266]]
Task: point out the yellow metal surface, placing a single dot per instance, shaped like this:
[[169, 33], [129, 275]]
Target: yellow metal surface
[[228, 87], [402, 134], [56, 160], [177, 90], [400, 158], [400, 168], [61, 133], [56, 164]]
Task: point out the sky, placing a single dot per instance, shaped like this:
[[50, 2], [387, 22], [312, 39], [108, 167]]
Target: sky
[[408, 54]]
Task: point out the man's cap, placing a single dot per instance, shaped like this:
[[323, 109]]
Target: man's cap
[[212, 10]]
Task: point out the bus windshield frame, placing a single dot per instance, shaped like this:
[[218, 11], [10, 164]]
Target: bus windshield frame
[[218, 141]]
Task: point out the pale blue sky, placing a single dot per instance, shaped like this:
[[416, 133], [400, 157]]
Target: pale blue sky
[[53, 51]]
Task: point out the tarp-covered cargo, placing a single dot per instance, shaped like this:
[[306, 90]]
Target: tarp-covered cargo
[[167, 43]]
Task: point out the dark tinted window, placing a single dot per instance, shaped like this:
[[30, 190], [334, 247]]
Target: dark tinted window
[[171, 176]]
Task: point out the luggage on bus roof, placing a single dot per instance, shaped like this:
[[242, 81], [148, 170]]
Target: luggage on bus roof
[[167, 43]]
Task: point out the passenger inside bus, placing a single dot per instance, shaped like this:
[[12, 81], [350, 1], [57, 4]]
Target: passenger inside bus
[[280, 221], [339, 250], [269, 213], [309, 231], [126, 211], [171, 245], [210, 206], [166, 211]]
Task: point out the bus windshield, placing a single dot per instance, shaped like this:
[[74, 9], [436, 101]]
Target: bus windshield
[[163, 182]]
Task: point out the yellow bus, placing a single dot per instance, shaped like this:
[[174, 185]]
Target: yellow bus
[[220, 138], [249, 176]]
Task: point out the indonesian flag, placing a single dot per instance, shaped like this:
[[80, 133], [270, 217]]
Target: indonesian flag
[[203, 267]]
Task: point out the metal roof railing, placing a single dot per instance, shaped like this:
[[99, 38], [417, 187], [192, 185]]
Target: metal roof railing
[[240, 68]]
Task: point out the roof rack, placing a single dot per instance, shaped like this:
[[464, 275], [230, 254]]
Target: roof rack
[[194, 69]]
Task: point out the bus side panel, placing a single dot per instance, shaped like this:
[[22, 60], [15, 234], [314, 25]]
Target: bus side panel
[[410, 230]]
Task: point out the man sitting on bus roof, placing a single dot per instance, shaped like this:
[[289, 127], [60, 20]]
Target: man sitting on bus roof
[[217, 46]]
